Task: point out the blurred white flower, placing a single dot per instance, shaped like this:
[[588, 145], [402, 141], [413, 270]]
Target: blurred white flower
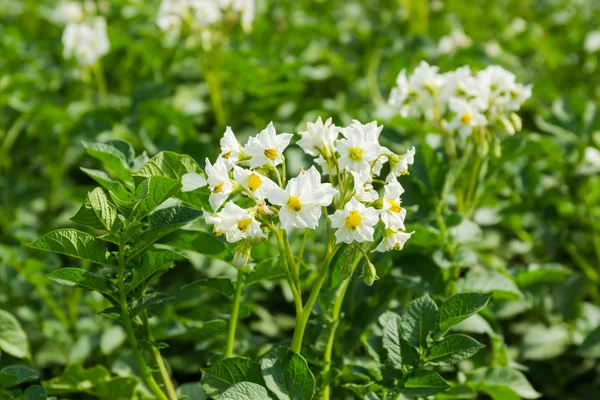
[[69, 11], [591, 162], [467, 115], [86, 41], [592, 42], [319, 137], [457, 39]]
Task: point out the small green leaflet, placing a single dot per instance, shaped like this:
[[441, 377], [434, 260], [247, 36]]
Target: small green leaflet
[[73, 243]]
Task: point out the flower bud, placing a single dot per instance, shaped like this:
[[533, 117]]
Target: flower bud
[[368, 274], [507, 125], [516, 121], [241, 256]]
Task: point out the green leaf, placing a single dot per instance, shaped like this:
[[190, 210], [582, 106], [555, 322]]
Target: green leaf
[[168, 164], [590, 348], [196, 241], [220, 284], [104, 180], [507, 378], [226, 373], [196, 198], [153, 262], [13, 339], [116, 388], [542, 342], [153, 192], [266, 270], [542, 274], [287, 375], [98, 212], [35, 392], [165, 221], [112, 157], [86, 216], [73, 243], [83, 278], [149, 300], [392, 335], [246, 391], [453, 349], [14, 375], [423, 383], [77, 379], [481, 280], [460, 307], [418, 321]]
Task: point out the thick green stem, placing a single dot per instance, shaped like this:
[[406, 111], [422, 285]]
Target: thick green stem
[[239, 287], [164, 373], [139, 358], [302, 320]]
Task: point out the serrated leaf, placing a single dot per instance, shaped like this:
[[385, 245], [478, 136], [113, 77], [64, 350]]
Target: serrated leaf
[[73, 243], [423, 383], [152, 262], [453, 349], [460, 307], [392, 335], [226, 373], [418, 321], [287, 375], [590, 348], [83, 278], [149, 300], [481, 280], [108, 183], [505, 377], [246, 391], [265, 270], [219, 284], [168, 164], [14, 375], [112, 157], [13, 339], [196, 241]]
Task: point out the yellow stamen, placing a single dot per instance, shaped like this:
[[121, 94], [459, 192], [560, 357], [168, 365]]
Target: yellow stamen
[[217, 232], [355, 153], [227, 155], [243, 224], [396, 246], [353, 220], [254, 182], [271, 153], [466, 118], [394, 207], [218, 188], [294, 203]]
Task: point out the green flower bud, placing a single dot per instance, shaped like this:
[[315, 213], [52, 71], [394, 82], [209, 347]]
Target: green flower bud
[[369, 273]]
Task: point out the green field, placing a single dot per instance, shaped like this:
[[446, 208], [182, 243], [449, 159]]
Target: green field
[[299, 199]]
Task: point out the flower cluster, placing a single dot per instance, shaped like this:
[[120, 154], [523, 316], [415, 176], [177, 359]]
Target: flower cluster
[[84, 37], [200, 14], [250, 195], [461, 100]]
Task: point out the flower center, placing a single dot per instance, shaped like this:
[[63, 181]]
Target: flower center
[[353, 220], [397, 246], [243, 224], [355, 153], [394, 207], [217, 232], [466, 118], [218, 188], [254, 182], [226, 155], [271, 153], [294, 203]]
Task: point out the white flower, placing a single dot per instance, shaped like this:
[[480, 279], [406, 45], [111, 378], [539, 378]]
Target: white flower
[[391, 213], [219, 183], [245, 7], [461, 83], [302, 199], [267, 147], [87, 41], [354, 223], [230, 148], [171, 13], [467, 116], [319, 137], [206, 12], [401, 167], [259, 186], [592, 42], [393, 240], [591, 162], [517, 96], [235, 223], [363, 189], [360, 146], [69, 11]]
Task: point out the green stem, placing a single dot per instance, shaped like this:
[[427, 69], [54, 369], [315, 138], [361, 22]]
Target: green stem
[[473, 181], [164, 373], [239, 287], [335, 315], [295, 290], [295, 267], [312, 299], [212, 76], [139, 358], [99, 77]]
